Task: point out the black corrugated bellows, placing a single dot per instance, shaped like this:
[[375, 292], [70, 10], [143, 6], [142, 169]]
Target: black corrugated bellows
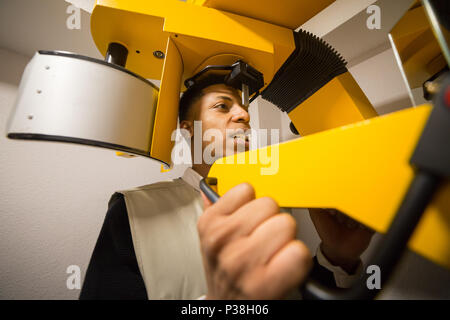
[[313, 64]]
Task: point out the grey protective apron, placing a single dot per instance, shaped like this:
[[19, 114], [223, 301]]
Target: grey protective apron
[[163, 222]]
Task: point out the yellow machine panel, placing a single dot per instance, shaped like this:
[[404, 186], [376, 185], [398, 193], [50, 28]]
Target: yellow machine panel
[[417, 47], [166, 114], [340, 102], [145, 26], [289, 14]]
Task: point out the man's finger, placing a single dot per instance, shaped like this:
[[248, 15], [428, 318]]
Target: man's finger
[[287, 269], [251, 215], [235, 198], [206, 202], [272, 235]]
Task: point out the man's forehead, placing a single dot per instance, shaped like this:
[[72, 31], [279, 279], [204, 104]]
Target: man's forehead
[[220, 89]]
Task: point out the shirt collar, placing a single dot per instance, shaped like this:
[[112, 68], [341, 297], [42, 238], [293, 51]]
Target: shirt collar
[[192, 178]]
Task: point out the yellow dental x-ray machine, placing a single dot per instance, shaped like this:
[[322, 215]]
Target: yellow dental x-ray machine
[[390, 173]]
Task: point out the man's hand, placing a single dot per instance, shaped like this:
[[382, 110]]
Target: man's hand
[[249, 248], [343, 239]]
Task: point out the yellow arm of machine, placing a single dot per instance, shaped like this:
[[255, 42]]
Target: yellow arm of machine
[[361, 169]]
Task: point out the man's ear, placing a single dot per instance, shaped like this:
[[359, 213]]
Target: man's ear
[[187, 125]]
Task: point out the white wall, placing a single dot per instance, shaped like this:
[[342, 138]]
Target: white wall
[[53, 198], [380, 79]]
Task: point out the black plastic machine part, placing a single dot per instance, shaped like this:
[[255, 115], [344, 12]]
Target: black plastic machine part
[[431, 161], [209, 193], [117, 54], [310, 66], [236, 75], [435, 79]]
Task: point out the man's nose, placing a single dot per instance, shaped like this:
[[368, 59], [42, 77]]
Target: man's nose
[[241, 115]]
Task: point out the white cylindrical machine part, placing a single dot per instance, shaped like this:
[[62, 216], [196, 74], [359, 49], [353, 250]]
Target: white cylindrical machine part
[[71, 98]]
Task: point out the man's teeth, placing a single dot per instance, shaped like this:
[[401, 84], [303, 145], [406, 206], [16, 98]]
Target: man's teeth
[[240, 136]]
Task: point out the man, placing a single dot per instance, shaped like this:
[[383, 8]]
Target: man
[[167, 241]]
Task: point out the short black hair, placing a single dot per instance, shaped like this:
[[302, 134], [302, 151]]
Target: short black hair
[[194, 93]]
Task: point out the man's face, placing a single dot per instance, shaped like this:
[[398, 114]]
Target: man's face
[[220, 108]]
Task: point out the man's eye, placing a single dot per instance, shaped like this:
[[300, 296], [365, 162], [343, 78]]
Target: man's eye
[[221, 106]]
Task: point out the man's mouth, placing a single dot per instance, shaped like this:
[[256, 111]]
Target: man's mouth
[[241, 138]]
